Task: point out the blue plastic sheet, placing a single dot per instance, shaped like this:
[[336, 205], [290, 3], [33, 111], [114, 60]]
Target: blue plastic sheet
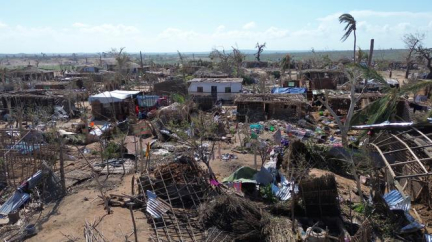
[[288, 90], [256, 126], [147, 101]]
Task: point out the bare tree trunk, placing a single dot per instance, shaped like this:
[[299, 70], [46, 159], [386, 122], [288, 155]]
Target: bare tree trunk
[[355, 42], [408, 69]]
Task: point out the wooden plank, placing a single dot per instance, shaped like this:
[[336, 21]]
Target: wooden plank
[[392, 173], [412, 153], [422, 134], [415, 175], [410, 161], [416, 147]]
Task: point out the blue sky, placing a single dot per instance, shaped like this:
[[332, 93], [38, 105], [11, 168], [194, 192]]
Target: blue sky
[[28, 26]]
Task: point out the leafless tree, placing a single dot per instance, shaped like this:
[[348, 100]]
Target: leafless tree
[[75, 58], [262, 83], [183, 64], [426, 55], [223, 60], [412, 41], [237, 59], [121, 57], [260, 49]]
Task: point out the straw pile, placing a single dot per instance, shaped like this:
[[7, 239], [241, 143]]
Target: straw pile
[[177, 170], [278, 230], [243, 220]]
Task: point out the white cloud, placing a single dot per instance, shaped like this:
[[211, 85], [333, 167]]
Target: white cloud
[[220, 28], [106, 28], [249, 25], [401, 14], [322, 33], [79, 25]]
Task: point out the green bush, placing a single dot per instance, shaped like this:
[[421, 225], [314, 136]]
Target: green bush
[[112, 150], [248, 80], [267, 194]]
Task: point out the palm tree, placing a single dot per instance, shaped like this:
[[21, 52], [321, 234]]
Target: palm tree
[[350, 27], [384, 109]]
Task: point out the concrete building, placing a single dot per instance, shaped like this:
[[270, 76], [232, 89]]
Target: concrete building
[[218, 88]]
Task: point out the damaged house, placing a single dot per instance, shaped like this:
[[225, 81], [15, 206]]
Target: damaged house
[[118, 104], [37, 100], [260, 107], [315, 79], [32, 73]]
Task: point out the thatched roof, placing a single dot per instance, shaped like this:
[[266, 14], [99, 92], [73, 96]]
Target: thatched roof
[[29, 70], [271, 98]]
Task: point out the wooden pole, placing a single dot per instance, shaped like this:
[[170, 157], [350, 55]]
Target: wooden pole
[[141, 63], [255, 159], [141, 155], [62, 173], [371, 49], [133, 222], [136, 153]]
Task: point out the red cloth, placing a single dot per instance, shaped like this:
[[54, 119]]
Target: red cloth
[[136, 110]]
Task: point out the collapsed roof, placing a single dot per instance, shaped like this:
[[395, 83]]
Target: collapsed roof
[[270, 98]]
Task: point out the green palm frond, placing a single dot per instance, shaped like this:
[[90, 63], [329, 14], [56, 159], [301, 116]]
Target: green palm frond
[[350, 25], [415, 87], [378, 111]]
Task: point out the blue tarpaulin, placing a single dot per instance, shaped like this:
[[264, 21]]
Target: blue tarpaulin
[[288, 90], [147, 101], [24, 148]]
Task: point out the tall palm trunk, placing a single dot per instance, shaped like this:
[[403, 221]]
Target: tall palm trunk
[[355, 42]]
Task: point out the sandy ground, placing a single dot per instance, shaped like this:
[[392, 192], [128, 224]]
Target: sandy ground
[[67, 218]]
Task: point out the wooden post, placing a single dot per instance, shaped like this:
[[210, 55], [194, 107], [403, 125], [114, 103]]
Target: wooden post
[[62, 173], [255, 159], [141, 63], [371, 49], [141, 155], [136, 154], [133, 222]]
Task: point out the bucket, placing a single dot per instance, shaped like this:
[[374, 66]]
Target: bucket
[[315, 234]]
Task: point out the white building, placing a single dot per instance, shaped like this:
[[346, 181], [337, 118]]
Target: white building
[[220, 88]]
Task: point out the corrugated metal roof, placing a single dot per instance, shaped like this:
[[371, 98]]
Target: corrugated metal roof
[[155, 207], [284, 193], [14, 202], [396, 201], [412, 226]]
